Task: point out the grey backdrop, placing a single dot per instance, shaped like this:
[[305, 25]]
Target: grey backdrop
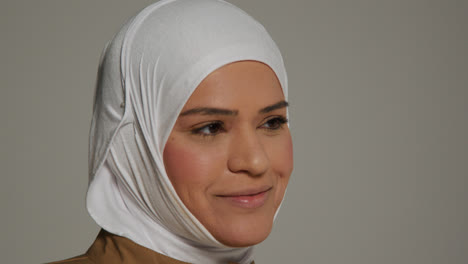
[[379, 114]]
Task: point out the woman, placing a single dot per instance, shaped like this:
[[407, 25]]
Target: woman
[[190, 154]]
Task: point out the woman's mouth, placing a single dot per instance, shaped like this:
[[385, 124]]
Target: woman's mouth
[[250, 199]]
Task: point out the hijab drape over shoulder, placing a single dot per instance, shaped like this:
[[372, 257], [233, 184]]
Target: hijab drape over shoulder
[[146, 74]]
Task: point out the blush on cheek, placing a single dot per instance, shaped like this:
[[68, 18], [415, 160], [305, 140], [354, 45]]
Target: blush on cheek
[[283, 165], [282, 158], [289, 157], [184, 165]]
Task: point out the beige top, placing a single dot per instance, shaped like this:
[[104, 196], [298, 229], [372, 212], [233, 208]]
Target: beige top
[[112, 249]]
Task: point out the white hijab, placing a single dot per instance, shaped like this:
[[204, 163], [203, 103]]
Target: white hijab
[[146, 74]]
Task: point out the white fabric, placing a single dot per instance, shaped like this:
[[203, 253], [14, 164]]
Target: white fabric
[[147, 73]]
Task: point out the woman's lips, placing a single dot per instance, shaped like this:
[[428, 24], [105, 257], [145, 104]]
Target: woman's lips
[[247, 199]]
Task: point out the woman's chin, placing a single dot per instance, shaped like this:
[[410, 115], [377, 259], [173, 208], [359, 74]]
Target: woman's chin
[[244, 233]]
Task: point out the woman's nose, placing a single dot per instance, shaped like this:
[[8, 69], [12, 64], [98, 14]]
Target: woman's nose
[[247, 154]]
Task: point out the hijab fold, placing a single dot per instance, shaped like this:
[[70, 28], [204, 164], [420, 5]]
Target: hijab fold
[[147, 72]]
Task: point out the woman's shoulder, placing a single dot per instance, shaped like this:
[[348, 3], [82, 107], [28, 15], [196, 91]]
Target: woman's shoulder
[[82, 259], [111, 248]]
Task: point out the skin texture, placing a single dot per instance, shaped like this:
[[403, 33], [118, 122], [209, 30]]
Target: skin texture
[[231, 165]]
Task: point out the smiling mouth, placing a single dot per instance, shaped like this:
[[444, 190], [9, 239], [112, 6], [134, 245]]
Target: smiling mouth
[[247, 199]]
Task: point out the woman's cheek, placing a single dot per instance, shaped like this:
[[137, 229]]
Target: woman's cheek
[[188, 164], [288, 156], [282, 162], [281, 155]]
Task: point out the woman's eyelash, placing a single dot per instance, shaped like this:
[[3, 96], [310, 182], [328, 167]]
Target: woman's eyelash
[[216, 127], [275, 123], [209, 129]]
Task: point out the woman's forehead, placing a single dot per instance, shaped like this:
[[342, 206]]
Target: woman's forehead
[[236, 85]]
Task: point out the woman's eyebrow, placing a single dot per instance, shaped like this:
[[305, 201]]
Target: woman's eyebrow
[[209, 111], [272, 107], [221, 111]]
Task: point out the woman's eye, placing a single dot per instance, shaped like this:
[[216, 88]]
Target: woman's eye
[[275, 123], [209, 129]]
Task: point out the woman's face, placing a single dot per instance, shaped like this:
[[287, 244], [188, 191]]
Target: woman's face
[[229, 155]]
